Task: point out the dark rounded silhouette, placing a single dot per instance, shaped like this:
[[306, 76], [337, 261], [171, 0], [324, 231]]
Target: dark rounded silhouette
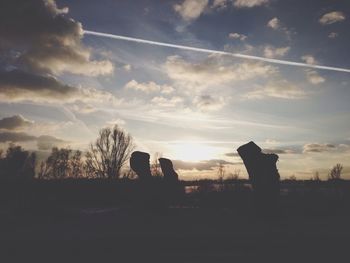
[[168, 169], [139, 162], [263, 175]]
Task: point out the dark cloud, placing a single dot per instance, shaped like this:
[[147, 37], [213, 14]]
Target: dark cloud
[[208, 102], [318, 147], [279, 151], [38, 36], [201, 165], [16, 137], [232, 154], [18, 85], [276, 151], [44, 142], [14, 122]]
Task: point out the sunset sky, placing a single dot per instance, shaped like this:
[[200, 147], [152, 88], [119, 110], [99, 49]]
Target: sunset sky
[[59, 86]]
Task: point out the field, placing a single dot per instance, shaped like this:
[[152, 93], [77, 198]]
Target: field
[[305, 228]]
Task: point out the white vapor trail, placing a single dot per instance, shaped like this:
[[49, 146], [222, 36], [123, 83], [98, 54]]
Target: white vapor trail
[[212, 51]]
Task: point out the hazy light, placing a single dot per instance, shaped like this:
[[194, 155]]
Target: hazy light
[[193, 152]]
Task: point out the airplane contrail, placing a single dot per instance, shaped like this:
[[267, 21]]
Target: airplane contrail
[[212, 51]]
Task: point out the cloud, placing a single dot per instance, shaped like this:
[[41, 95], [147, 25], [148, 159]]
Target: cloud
[[149, 87], [332, 17], [271, 52], [326, 147], [313, 77], [333, 35], [200, 166], [44, 142], [16, 137], [241, 37], [250, 3], [309, 59], [220, 4], [214, 70], [17, 85], [82, 108], [318, 147], [266, 150], [191, 9], [127, 67], [232, 154], [165, 102], [281, 89], [40, 37], [15, 122], [279, 151], [209, 103], [47, 142], [20, 85], [274, 23]]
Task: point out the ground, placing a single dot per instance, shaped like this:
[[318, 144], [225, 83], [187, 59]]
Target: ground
[[173, 235]]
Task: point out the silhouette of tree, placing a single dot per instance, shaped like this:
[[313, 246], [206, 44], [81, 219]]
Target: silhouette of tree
[[29, 166], [17, 163], [76, 165], [57, 165], [335, 173], [221, 176], [221, 172], [235, 175], [109, 153]]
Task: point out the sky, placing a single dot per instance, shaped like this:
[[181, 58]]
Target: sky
[[59, 86]]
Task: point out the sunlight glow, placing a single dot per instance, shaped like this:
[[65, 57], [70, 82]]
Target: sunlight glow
[[193, 152]]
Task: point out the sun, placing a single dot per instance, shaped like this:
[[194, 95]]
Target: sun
[[193, 152]]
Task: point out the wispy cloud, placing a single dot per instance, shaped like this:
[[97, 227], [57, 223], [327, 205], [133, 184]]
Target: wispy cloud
[[214, 70], [272, 52], [149, 87], [281, 89], [314, 77], [239, 36], [209, 103]]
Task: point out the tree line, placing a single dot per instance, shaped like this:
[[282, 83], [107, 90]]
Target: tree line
[[104, 158]]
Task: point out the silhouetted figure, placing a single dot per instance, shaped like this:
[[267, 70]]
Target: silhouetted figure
[[263, 175], [139, 162], [171, 184], [168, 170]]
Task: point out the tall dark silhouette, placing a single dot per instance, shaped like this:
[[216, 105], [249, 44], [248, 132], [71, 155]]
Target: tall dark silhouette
[[168, 170], [263, 175], [139, 162], [108, 154]]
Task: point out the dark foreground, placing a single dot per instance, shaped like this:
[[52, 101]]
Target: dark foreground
[[173, 235]]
